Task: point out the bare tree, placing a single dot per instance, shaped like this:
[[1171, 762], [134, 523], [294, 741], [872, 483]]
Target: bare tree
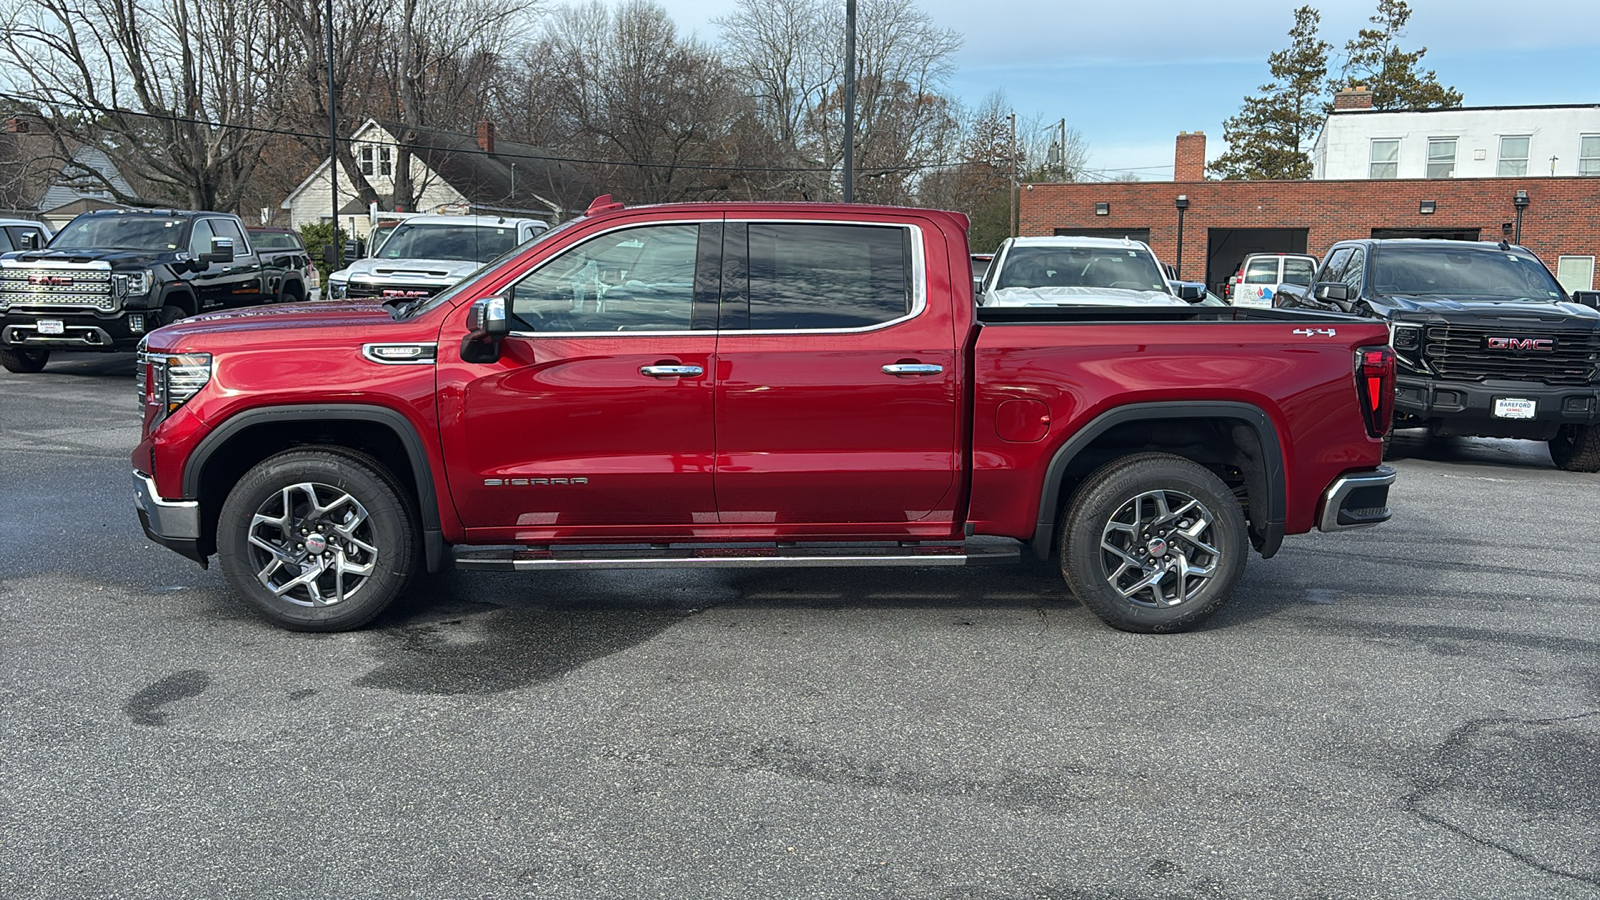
[[175, 92]]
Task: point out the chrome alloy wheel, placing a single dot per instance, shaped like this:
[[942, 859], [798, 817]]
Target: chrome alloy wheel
[[311, 545], [1157, 549]]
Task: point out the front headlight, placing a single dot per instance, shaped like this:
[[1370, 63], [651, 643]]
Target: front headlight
[[167, 380], [134, 284], [336, 289]]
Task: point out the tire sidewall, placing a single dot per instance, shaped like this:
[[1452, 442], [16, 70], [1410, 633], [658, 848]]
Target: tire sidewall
[[1103, 494], [394, 534]]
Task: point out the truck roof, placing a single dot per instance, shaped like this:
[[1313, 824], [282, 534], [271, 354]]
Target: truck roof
[[487, 221], [1065, 240]]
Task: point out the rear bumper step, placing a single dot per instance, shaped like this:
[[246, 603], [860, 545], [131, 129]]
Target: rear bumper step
[[736, 556]]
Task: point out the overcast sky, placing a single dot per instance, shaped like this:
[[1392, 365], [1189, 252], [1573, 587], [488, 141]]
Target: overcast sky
[[1130, 74]]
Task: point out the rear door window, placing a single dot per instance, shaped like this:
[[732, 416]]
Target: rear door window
[[822, 276], [1297, 271], [1261, 271]]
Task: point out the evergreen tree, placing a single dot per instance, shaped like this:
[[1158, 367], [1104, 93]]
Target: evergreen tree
[[1395, 77], [1266, 138]]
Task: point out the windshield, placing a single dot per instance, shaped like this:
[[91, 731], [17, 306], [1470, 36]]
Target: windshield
[[159, 234], [439, 241], [1461, 271], [1094, 267], [465, 284]]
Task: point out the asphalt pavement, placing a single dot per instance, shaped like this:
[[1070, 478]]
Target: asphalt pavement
[[1407, 711]]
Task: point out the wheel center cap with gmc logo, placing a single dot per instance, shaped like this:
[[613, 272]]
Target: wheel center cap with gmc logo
[[1157, 547], [316, 543]]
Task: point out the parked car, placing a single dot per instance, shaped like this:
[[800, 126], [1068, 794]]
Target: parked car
[[980, 266], [1257, 280], [285, 264], [426, 254], [753, 385], [1487, 342], [108, 278], [1081, 271], [22, 234]]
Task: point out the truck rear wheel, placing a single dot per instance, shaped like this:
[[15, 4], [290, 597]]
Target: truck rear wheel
[[1576, 448], [24, 361], [317, 539], [1153, 543]]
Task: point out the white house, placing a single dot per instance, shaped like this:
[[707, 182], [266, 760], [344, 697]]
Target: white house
[[450, 173], [1358, 142]]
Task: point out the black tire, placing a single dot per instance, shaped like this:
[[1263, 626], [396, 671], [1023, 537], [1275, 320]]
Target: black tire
[[166, 315], [1118, 506], [1576, 448], [367, 531], [24, 361]]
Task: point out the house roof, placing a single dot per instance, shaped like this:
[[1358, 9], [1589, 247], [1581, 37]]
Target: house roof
[[515, 177]]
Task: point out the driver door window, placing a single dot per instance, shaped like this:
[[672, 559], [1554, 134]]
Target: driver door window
[[637, 279]]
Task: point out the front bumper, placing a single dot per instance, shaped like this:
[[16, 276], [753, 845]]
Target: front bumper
[[1466, 408], [79, 331], [1357, 500], [174, 524]]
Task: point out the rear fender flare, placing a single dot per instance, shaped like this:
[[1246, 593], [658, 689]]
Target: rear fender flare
[[1271, 531]]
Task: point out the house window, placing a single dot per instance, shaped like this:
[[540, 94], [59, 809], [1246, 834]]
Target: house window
[[1385, 159], [1441, 157], [376, 161], [1589, 155], [1576, 273], [1513, 156]]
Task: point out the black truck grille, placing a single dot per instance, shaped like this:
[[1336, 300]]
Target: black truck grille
[[1519, 353], [387, 291]]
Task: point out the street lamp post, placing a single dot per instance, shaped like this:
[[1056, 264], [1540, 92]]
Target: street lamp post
[[1182, 204], [1520, 201]]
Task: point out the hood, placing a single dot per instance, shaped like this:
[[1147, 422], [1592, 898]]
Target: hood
[[119, 259], [430, 271], [1487, 307], [1079, 296], [319, 316]]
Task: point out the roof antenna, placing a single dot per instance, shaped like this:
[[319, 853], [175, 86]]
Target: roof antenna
[[1504, 245]]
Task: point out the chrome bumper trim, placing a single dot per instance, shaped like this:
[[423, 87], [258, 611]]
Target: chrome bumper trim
[[1335, 515], [177, 520]]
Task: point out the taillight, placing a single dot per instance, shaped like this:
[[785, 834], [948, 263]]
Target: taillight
[[1375, 385]]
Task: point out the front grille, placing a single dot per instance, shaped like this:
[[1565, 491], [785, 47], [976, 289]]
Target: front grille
[[357, 289], [53, 286], [1463, 352]]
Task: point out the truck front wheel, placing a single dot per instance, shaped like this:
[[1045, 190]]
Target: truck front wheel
[[1153, 543], [317, 539], [1576, 448], [24, 362]]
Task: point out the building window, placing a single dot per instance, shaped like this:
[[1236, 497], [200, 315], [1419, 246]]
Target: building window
[[385, 164], [376, 161], [1513, 156], [1441, 157], [1589, 155], [1576, 273], [1385, 159]]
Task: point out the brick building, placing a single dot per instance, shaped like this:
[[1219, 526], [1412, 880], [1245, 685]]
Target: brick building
[[1224, 220]]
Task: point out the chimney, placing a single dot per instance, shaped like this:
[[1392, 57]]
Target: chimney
[[1357, 97], [17, 125], [486, 135], [1190, 164]]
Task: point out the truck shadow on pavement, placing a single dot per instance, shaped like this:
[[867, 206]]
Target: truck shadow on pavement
[[483, 633], [1419, 444]]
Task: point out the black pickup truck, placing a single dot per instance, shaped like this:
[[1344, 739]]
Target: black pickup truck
[[1486, 341], [108, 278]]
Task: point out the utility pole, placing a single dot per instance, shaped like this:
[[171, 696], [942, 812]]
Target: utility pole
[[333, 151], [1065, 175], [1013, 189], [849, 101]]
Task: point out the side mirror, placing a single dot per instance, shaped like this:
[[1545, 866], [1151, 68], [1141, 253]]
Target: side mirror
[[1189, 291], [30, 240], [1332, 291], [355, 249], [1587, 298], [486, 326], [221, 251]]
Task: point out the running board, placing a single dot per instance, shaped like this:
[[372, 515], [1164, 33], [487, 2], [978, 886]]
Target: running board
[[508, 559]]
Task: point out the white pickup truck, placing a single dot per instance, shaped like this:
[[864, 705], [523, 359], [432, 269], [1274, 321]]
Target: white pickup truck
[[1081, 271], [428, 253]]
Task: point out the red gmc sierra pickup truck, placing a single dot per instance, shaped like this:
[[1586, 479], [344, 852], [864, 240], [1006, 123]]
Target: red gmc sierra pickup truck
[[753, 384]]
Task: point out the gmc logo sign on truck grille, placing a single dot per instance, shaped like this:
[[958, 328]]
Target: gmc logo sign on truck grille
[[403, 295], [50, 280], [1545, 345]]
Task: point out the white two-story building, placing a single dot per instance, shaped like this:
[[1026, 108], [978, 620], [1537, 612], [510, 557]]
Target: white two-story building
[[1359, 142]]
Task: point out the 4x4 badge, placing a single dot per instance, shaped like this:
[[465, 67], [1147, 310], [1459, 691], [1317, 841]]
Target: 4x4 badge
[[1313, 332]]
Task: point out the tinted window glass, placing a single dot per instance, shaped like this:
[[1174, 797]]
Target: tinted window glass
[[479, 243], [5, 242], [639, 279], [1334, 267], [121, 232], [274, 240], [1297, 271], [227, 228], [828, 276], [1354, 271], [1462, 272], [1261, 271], [200, 237], [1097, 267]]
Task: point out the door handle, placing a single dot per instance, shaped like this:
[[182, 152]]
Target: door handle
[[912, 369], [672, 371]]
